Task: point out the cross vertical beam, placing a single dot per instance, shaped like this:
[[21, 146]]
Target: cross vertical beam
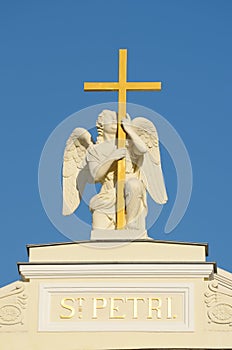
[[121, 166]]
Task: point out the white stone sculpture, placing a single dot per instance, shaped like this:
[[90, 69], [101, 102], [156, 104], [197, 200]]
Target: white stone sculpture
[[85, 162]]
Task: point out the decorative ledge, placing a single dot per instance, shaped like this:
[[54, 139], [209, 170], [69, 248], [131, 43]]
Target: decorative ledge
[[161, 270]]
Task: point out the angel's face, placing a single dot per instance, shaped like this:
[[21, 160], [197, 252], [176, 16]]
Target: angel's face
[[110, 123]]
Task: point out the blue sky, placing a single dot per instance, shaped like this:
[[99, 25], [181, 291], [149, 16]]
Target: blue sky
[[49, 48]]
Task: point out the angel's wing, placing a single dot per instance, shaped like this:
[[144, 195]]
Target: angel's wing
[[151, 171], [75, 170]]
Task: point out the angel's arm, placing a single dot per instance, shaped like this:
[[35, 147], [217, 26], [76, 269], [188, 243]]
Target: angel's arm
[[139, 146], [99, 167]]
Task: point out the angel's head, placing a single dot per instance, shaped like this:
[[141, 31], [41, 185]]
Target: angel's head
[[106, 125]]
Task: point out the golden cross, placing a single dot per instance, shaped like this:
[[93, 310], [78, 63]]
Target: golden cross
[[122, 86]]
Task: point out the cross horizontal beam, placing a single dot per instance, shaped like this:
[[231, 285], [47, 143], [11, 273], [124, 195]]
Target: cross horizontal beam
[[129, 86]]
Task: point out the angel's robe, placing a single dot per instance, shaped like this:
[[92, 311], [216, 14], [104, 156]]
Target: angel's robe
[[135, 193]]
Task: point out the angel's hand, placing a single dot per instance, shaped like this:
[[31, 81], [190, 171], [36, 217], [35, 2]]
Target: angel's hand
[[119, 153], [126, 123], [100, 171]]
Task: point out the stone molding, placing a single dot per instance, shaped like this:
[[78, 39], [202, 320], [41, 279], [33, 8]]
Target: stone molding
[[13, 302], [170, 270], [218, 300]]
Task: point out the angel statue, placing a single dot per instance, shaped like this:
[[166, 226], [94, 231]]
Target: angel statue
[[85, 162]]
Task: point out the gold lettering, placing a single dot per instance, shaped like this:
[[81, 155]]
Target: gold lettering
[[169, 308], [115, 305], [97, 307], [80, 308], [135, 305], [154, 308], [80, 302], [114, 308], [67, 307]]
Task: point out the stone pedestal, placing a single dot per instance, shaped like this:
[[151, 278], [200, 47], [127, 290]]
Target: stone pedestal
[[117, 294]]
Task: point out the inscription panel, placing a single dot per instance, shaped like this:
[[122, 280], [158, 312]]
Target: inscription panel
[[116, 307]]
